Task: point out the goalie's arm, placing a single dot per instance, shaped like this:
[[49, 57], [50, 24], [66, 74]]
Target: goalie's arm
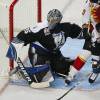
[[27, 36]]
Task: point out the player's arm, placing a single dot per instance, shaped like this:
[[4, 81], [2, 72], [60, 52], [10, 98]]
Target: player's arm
[[79, 32], [28, 36], [75, 30], [71, 30]]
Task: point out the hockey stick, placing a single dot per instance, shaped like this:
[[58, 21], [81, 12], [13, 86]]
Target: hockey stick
[[69, 90], [4, 79], [23, 71]]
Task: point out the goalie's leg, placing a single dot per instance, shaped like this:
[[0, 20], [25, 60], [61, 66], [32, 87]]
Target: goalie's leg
[[38, 76]]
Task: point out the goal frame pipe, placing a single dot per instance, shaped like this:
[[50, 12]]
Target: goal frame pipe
[[39, 10], [11, 27], [11, 22]]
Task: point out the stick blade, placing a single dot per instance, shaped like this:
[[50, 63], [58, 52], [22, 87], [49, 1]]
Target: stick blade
[[4, 81]]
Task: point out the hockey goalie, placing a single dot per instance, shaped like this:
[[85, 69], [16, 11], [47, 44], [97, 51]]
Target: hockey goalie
[[42, 45]]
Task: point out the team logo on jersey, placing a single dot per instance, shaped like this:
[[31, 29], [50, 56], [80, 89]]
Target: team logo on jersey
[[59, 39], [27, 30], [46, 31]]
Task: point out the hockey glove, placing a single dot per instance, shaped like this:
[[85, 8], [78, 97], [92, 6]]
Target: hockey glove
[[84, 34]]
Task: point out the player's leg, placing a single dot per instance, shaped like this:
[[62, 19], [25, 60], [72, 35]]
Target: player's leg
[[95, 62], [95, 69], [77, 65]]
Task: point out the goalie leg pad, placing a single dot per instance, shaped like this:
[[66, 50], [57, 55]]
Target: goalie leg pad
[[40, 75], [37, 69]]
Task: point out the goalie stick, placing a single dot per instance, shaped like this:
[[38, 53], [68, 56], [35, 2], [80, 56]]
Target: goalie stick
[[23, 71]]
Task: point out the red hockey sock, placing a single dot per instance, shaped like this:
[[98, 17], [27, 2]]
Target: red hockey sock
[[79, 63]]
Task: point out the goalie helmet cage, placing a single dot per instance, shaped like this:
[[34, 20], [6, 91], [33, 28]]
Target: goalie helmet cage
[[11, 23]]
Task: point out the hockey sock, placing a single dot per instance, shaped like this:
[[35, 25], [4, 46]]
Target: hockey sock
[[77, 65], [81, 59]]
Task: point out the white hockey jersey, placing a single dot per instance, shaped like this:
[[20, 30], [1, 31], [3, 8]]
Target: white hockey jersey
[[91, 17]]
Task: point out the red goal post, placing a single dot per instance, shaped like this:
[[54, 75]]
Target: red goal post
[[11, 22]]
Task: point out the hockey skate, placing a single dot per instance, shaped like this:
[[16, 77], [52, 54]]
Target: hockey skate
[[94, 75]]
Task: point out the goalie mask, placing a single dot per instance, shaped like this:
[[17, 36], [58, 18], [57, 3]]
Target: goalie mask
[[53, 17]]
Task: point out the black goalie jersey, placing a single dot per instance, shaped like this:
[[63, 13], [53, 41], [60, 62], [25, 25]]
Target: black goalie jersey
[[49, 39]]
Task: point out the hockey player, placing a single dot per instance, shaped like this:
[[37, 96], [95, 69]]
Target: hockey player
[[95, 53], [45, 40], [91, 25]]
